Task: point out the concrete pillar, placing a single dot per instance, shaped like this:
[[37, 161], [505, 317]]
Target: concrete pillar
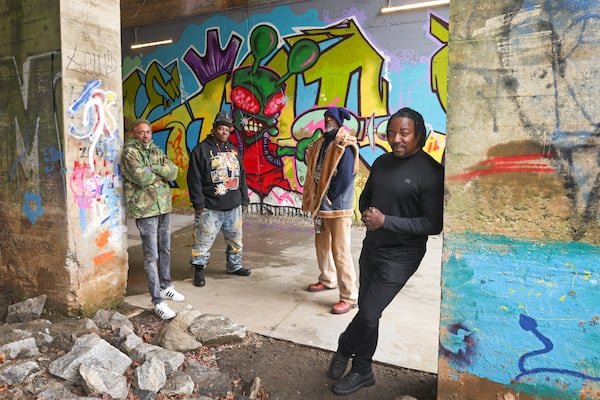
[[62, 218], [520, 276]]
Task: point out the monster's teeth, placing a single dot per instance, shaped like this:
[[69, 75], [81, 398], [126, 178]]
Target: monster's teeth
[[252, 126]]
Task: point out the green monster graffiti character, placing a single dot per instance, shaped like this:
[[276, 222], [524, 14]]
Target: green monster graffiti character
[[258, 96]]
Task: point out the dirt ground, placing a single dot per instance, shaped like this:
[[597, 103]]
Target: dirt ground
[[292, 372], [289, 371]]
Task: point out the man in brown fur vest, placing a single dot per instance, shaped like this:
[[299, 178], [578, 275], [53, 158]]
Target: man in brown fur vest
[[332, 162]]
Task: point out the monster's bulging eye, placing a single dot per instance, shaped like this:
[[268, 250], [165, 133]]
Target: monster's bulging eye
[[243, 99], [275, 105]]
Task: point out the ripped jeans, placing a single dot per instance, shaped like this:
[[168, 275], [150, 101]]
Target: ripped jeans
[[206, 228]]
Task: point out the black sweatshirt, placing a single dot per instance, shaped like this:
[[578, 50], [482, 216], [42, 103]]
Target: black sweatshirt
[[216, 177], [410, 193]]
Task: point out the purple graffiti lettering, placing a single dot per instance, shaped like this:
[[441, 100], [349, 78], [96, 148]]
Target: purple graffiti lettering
[[215, 61]]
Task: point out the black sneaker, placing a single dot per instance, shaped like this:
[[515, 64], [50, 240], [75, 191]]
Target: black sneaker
[[199, 275], [337, 366], [241, 272], [352, 382]]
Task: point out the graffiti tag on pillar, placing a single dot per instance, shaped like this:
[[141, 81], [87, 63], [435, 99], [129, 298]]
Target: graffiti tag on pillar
[[87, 62], [96, 125]]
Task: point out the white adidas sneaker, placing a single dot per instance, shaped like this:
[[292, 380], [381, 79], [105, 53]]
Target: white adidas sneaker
[[162, 310], [171, 294]]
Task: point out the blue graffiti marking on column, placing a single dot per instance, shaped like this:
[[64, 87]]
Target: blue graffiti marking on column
[[32, 207], [530, 324], [51, 156], [86, 94]]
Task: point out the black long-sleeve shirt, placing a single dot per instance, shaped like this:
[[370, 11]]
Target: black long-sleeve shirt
[[410, 193]]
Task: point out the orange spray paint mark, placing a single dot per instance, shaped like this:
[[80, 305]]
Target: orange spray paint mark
[[102, 239], [103, 258]]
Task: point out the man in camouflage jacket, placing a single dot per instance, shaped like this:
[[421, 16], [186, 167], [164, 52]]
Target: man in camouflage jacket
[[147, 172]]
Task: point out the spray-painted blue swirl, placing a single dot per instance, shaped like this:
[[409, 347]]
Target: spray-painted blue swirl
[[530, 324]]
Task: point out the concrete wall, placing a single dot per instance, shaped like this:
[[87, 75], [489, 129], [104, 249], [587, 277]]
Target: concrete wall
[[521, 261], [62, 225], [32, 239], [371, 63]]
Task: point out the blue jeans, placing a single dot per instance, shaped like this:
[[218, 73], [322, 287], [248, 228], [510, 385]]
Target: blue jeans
[[155, 233], [206, 228]]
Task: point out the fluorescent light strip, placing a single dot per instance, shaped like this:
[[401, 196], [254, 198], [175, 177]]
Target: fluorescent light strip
[[415, 6], [157, 43]]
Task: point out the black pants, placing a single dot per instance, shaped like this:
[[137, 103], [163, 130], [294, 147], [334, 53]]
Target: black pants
[[383, 272]]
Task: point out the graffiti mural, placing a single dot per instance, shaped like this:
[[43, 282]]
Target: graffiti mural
[[258, 96], [276, 78]]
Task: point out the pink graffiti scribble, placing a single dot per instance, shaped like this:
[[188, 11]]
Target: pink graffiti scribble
[[281, 199], [85, 185]]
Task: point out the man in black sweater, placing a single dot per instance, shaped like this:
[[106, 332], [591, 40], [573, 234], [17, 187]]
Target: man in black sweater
[[401, 205], [218, 191]]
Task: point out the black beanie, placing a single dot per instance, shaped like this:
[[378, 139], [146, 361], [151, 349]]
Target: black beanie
[[338, 113], [222, 118]]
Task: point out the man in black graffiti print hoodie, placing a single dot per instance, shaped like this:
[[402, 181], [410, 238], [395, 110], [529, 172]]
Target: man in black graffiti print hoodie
[[218, 191]]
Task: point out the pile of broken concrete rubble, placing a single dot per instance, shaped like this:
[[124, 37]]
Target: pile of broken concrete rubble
[[85, 358]]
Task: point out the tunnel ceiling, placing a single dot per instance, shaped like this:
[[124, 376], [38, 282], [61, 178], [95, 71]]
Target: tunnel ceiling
[[136, 13]]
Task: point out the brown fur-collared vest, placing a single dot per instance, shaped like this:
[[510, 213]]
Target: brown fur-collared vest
[[314, 193]]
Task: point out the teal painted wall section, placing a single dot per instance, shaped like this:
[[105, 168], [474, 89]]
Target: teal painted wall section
[[523, 312]]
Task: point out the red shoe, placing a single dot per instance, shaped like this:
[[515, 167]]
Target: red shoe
[[341, 307], [318, 287]]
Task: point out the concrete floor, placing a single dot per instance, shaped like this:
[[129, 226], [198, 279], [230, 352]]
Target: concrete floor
[[273, 301]]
